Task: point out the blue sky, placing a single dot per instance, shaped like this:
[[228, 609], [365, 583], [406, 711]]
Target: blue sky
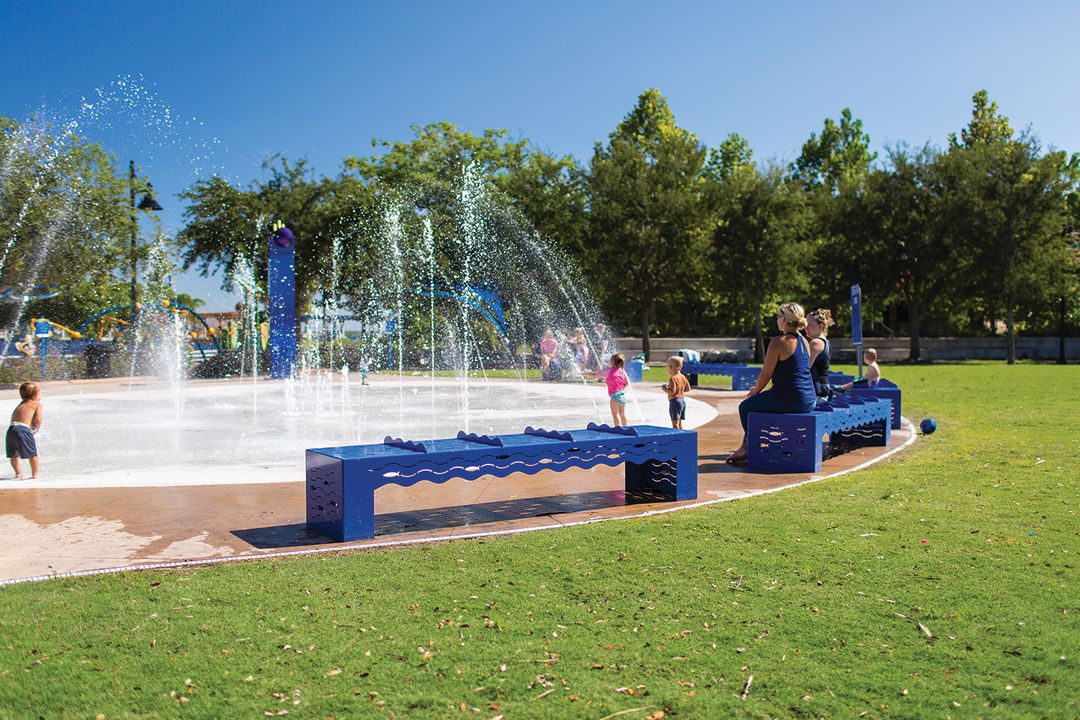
[[223, 84]]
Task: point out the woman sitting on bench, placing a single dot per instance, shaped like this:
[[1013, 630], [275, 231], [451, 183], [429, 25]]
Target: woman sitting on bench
[[818, 323], [787, 365]]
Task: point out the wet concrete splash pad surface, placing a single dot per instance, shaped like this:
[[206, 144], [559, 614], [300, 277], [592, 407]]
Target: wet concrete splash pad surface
[[146, 434]]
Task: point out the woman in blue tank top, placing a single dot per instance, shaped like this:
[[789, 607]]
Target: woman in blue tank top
[[787, 365]]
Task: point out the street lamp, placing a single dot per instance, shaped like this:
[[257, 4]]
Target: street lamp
[[147, 203]]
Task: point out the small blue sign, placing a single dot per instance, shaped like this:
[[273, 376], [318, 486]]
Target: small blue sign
[[856, 315], [42, 328]]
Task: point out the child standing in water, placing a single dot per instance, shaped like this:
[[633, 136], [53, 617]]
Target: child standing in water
[[676, 388], [617, 382], [25, 421]]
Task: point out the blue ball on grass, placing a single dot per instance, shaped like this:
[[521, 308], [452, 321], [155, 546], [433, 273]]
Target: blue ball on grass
[[928, 426]]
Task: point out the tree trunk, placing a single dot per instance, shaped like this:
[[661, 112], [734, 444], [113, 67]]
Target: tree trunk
[[1010, 334], [914, 352], [759, 340], [645, 331], [1061, 331]]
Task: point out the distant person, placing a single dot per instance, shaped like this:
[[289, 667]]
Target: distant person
[[817, 330], [617, 382], [605, 345], [25, 422], [549, 348], [787, 365], [581, 348], [676, 388], [550, 367], [363, 368], [871, 371]]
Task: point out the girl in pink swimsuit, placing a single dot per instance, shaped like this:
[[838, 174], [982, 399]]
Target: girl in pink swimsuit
[[617, 382]]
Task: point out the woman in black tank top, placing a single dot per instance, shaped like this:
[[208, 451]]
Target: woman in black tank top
[[818, 323]]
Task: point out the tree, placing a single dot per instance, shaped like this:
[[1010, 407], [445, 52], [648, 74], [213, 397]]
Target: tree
[[986, 127], [734, 156], [1009, 207], [837, 160], [1008, 204], [550, 192], [888, 239], [759, 245], [225, 222], [426, 171], [646, 210], [64, 222]]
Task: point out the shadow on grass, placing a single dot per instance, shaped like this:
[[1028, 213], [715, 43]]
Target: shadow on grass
[[390, 524]]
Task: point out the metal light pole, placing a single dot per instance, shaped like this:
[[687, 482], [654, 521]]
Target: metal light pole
[[147, 203]]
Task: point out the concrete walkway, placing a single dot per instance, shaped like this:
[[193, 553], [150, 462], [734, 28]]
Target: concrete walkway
[[51, 532]]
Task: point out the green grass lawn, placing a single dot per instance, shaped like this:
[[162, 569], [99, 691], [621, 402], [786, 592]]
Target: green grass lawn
[[941, 583]]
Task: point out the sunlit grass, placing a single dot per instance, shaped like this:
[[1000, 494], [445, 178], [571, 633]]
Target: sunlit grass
[[941, 583]]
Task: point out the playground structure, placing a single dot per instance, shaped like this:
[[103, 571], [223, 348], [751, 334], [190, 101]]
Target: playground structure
[[110, 329]]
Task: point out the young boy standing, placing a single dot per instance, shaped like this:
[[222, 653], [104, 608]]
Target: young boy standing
[[25, 421], [676, 388]]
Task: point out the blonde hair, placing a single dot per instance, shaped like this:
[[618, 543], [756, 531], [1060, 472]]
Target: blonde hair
[[793, 315], [617, 360], [824, 316], [870, 353], [29, 390], [676, 361]]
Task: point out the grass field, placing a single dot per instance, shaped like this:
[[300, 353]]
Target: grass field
[[941, 583]]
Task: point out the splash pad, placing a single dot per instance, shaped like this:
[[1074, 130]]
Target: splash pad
[[123, 434]]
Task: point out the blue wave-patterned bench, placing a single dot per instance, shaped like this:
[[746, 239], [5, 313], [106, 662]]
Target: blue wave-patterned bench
[[341, 481], [885, 390], [742, 377], [792, 442]]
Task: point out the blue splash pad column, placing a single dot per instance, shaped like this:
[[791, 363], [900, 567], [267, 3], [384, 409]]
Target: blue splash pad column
[[281, 288]]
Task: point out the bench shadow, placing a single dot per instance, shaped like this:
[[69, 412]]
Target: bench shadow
[[407, 521]]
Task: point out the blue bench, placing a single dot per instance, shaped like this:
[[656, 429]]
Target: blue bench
[[793, 442], [884, 390], [839, 378], [743, 377], [341, 481]]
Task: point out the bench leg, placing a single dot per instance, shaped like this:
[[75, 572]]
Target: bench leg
[[676, 478], [875, 434], [325, 495], [692, 379], [783, 443], [358, 522]]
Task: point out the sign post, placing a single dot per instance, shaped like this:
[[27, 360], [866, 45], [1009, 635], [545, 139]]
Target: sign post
[[856, 323], [42, 331]]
